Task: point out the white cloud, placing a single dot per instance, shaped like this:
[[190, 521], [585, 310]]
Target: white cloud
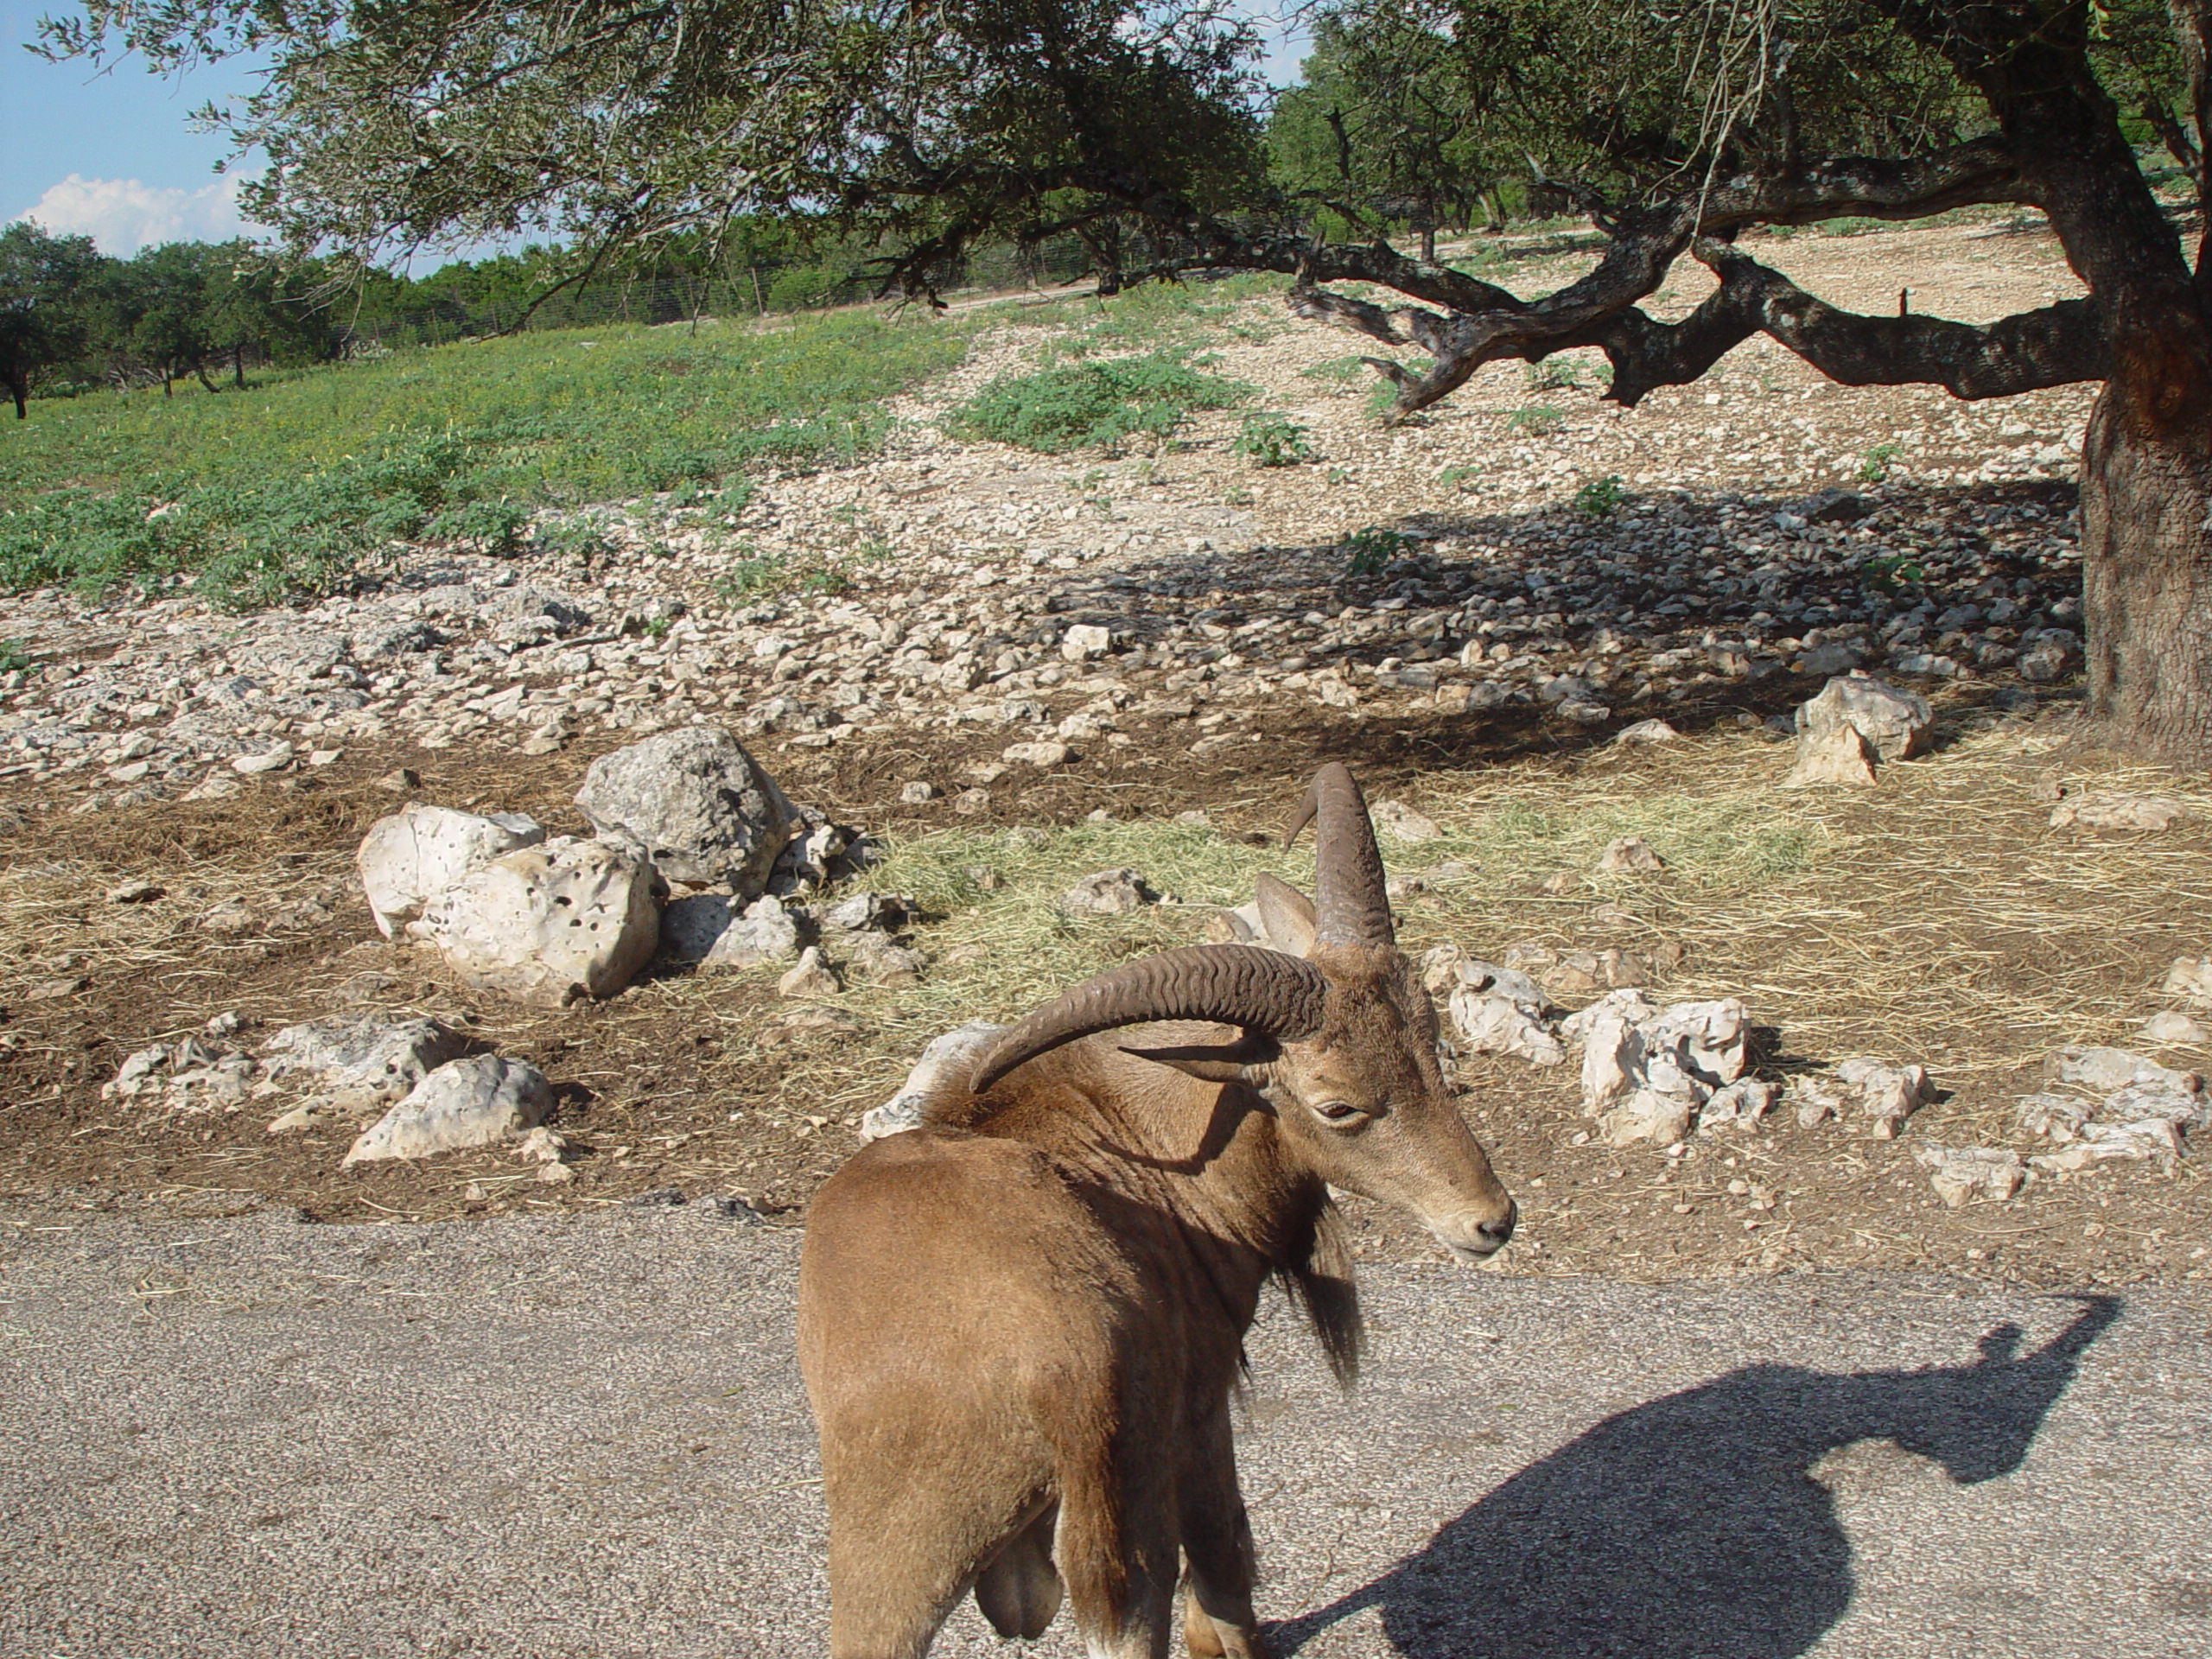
[[124, 215]]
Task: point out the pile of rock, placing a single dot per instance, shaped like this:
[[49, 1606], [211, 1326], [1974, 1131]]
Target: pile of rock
[[1653, 1074], [2128, 1108], [686, 818]]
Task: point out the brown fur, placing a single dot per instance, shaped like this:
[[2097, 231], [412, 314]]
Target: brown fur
[[1021, 1323]]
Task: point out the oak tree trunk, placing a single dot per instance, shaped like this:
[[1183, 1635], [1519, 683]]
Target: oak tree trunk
[[2146, 558]]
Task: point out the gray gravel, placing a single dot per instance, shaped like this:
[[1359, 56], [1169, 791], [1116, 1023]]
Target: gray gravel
[[586, 1437]]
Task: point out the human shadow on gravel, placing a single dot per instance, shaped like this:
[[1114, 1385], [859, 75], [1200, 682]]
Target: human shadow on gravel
[[1693, 1527]]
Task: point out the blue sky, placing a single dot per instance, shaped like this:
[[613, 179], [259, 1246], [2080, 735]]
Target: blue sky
[[112, 155]]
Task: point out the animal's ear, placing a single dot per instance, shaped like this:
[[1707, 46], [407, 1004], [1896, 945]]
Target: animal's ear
[[1234, 1062], [1286, 915]]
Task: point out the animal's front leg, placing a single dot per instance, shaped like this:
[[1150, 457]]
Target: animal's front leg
[[1218, 1622]]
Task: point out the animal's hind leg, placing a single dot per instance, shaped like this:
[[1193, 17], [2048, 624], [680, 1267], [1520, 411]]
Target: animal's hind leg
[[1218, 1622], [1019, 1590]]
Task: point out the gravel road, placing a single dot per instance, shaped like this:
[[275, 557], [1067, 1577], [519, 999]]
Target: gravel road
[[586, 1436]]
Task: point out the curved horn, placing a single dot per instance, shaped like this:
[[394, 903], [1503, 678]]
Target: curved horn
[[1230, 984], [1350, 905]]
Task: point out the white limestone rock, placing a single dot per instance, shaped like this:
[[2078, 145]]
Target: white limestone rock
[[694, 803], [946, 1062], [710, 930], [476, 1102], [1646, 1071], [1886, 1095], [1960, 1174], [1108, 893], [413, 856], [2191, 976], [356, 1065], [1897, 725], [1497, 1010], [550, 925], [1839, 756]]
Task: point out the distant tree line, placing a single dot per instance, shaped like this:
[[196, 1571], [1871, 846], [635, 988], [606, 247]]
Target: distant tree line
[[74, 320]]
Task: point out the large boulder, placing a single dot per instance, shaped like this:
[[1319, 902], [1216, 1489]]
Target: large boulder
[[1896, 724], [472, 1103], [695, 803], [409, 858], [550, 925]]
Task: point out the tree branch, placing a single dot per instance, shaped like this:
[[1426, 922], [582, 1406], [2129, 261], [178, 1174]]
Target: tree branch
[[2055, 346]]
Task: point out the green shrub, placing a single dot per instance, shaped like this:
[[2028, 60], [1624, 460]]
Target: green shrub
[[1366, 551], [1461, 478], [1600, 497], [1553, 374], [1099, 403], [1535, 422], [13, 656], [1875, 463], [1273, 441]]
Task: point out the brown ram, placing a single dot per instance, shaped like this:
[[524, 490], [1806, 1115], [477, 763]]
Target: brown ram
[[1022, 1322]]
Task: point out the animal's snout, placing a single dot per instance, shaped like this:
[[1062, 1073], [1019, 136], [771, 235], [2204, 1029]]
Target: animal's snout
[[1476, 1233]]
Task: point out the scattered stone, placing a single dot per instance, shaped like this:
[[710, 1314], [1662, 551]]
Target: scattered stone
[[1108, 893], [2102, 1071], [270, 760], [360, 1064], [695, 803], [2182, 1108], [1838, 756], [1561, 883], [1498, 1010], [812, 977], [1630, 855], [52, 990], [1887, 1095], [1745, 1101], [710, 930], [1084, 641], [1401, 822], [1962, 1174], [1896, 724], [986, 879], [917, 793], [1648, 731], [549, 925], [879, 962], [2174, 1030], [1647, 1071], [137, 892], [400, 780], [972, 803], [1824, 662], [469, 1103], [228, 920], [416, 856], [542, 1145], [945, 1063], [188, 1076], [2105, 811], [2191, 976], [1832, 507], [2055, 1117], [1042, 755], [2103, 1143]]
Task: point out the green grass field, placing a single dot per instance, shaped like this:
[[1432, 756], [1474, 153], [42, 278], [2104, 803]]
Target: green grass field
[[283, 489]]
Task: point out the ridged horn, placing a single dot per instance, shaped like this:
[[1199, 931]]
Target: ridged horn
[[1350, 905], [1226, 984]]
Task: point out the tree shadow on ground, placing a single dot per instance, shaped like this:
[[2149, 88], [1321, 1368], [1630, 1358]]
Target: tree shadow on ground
[[1693, 1527]]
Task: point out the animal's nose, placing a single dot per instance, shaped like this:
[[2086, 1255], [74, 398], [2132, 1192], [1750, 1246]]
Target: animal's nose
[[1500, 1229]]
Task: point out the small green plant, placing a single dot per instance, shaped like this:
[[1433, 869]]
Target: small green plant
[[1337, 371], [1273, 441], [1383, 402], [1600, 498], [1087, 403], [1875, 463], [1461, 478], [1553, 374], [13, 656], [1536, 422], [656, 627], [1366, 551], [1236, 496], [1889, 571]]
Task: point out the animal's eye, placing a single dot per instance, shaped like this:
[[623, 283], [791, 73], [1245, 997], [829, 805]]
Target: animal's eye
[[1338, 1111]]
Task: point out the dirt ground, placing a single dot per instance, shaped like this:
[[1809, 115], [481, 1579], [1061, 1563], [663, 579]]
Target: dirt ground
[[696, 1087]]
